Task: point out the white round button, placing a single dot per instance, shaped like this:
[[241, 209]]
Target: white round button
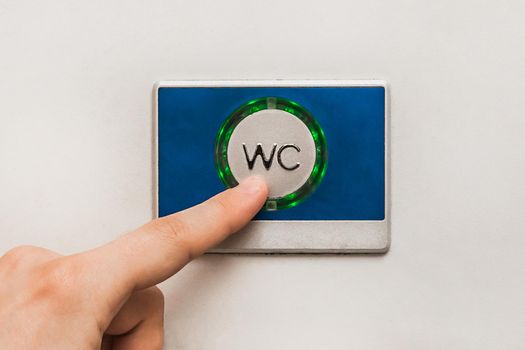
[[278, 140], [273, 144]]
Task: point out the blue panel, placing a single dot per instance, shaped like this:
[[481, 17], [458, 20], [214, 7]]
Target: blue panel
[[351, 117]]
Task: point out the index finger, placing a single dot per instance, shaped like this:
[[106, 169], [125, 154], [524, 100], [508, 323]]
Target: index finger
[[160, 248]]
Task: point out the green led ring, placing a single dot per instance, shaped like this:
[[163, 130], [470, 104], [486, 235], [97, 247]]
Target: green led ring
[[253, 106]]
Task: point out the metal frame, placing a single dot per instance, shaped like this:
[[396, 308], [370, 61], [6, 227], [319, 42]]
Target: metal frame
[[266, 236]]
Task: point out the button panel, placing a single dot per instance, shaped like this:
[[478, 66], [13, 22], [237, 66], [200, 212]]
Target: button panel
[[321, 145]]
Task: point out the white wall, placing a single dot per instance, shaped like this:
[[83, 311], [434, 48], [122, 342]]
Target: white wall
[[75, 153]]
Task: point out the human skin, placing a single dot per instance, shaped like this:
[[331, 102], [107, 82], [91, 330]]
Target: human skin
[[106, 298]]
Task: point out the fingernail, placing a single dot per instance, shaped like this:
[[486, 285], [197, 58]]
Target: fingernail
[[252, 185]]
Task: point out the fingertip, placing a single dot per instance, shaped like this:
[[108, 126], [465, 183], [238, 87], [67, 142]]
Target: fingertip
[[253, 185]]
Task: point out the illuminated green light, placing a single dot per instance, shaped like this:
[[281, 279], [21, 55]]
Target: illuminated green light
[[253, 106]]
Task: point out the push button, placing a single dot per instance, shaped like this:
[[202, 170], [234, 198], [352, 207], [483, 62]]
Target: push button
[[277, 139]]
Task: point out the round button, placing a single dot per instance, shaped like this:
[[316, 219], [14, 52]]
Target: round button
[[277, 139]]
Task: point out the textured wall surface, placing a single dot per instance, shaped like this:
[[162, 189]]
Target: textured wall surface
[[75, 154]]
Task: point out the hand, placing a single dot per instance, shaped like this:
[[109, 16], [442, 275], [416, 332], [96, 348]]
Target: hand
[[106, 297]]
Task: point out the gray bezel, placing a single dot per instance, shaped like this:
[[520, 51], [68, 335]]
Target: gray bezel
[[264, 236]]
